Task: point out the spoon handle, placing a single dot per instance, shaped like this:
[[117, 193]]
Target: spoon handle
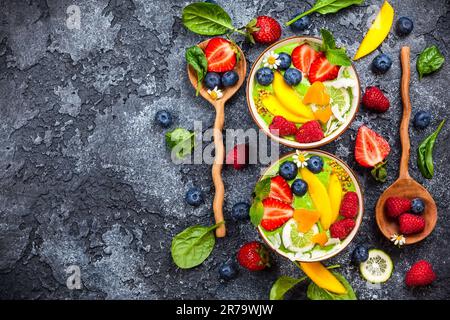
[[217, 168], [404, 134]]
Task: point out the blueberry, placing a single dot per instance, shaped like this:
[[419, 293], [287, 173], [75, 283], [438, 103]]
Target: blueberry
[[285, 61], [299, 187], [212, 80], [315, 164], [381, 63], [240, 211], [360, 254], [211, 1], [264, 76], [229, 78], [301, 24], [288, 170], [163, 118], [417, 205], [404, 26], [292, 76], [422, 119], [228, 270], [194, 197]]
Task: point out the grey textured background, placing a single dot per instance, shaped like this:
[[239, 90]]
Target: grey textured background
[[85, 177]]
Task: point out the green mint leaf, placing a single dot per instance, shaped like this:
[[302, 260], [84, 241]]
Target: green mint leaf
[[262, 188], [180, 141], [314, 292], [328, 39], [338, 57], [430, 60], [206, 19], [196, 58], [256, 212]]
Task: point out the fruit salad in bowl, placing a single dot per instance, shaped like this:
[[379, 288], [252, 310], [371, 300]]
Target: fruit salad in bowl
[[298, 97], [307, 206]]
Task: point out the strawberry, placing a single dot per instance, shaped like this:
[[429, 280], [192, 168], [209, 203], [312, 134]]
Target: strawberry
[[253, 256], [350, 205], [280, 190], [303, 56], [280, 126], [321, 70], [375, 100], [263, 30], [238, 156], [420, 274], [276, 213], [395, 206], [220, 54], [410, 223], [310, 131], [371, 149], [342, 228]]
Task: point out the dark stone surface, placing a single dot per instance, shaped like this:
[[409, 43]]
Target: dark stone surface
[[85, 177]]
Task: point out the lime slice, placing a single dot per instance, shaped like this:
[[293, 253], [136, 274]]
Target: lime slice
[[296, 241], [340, 98], [378, 267]]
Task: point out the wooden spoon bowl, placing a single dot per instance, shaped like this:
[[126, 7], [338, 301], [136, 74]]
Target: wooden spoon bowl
[[405, 186], [219, 105]]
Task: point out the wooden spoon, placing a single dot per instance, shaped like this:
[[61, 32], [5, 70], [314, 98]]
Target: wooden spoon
[[219, 105], [405, 186]]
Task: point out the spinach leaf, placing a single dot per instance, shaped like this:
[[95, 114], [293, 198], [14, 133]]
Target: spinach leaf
[[283, 285], [326, 6], [193, 245], [425, 153], [197, 60], [429, 61], [180, 141], [206, 19], [314, 292]]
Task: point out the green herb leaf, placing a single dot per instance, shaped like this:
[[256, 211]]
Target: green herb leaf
[[283, 285], [262, 188], [180, 141], [379, 172], [206, 19], [328, 39], [338, 57], [429, 60], [425, 153], [197, 60], [256, 212], [314, 292], [326, 6], [193, 245]]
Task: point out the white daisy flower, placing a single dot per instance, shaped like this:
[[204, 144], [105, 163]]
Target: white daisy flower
[[271, 60], [398, 239], [215, 94], [300, 158]]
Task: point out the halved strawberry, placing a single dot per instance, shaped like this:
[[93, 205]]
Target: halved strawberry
[[221, 55], [322, 70], [371, 148], [303, 56], [279, 189], [276, 213]]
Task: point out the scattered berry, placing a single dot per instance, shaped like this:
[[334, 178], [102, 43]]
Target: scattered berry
[[211, 1], [417, 205], [280, 190], [382, 63], [280, 126], [292, 76], [238, 156], [264, 30], [240, 211], [350, 205], [360, 254], [395, 206], [370, 148], [375, 100], [212, 80], [310, 131], [299, 187], [228, 270], [264, 76], [301, 24], [163, 118], [410, 223], [285, 61], [342, 228], [420, 274], [404, 26], [288, 170], [303, 56], [194, 197], [229, 78], [422, 119], [220, 54], [322, 70], [315, 164], [276, 213], [253, 256]]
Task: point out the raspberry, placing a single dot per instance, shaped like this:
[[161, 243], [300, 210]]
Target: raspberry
[[342, 228], [420, 274], [395, 206], [375, 100], [349, 205], [311, 131], [280, 126], [410, 223]]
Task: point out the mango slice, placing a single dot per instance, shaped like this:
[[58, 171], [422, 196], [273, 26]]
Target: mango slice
[[273, 105], [323, 114], [322, 277], [316, 94], [321, 238], [289, 98], [377, 32], [335, 194], [305, 219], [319, 196]]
